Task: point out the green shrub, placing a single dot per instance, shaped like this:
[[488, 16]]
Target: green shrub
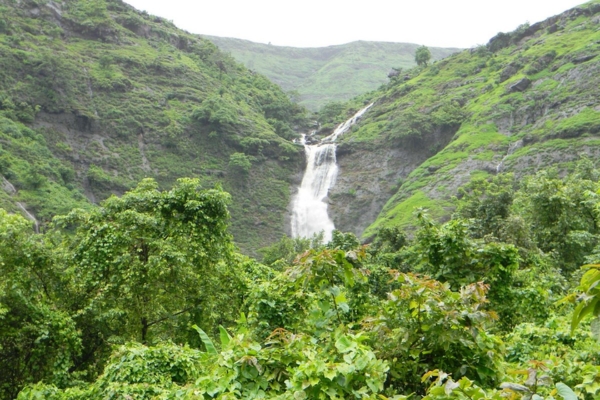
[[240, 162]]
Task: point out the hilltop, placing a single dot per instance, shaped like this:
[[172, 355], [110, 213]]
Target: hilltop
[[324, 74]]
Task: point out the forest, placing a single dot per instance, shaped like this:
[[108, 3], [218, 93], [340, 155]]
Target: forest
[[146, 297]]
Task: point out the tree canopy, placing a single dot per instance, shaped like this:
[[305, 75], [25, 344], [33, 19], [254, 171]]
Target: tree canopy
[[422, 56], [146, 297]]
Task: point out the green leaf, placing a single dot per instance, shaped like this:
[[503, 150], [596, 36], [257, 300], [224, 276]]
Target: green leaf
[[565, 392], [589, 278], [225, 338], [343, 344], [330, 373], [210, 347], [581, 311]]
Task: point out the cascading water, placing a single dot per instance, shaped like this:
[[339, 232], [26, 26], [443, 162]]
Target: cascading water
[[309, 209]]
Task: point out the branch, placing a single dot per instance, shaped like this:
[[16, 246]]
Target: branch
[[169, 316]]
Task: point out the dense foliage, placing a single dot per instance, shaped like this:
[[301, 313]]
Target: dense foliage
[[145, 297]]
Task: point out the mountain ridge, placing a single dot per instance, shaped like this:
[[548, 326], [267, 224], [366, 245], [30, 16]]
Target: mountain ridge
[[325, 74]]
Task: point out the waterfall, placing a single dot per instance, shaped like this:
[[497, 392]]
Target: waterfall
[[511, 149], [30, 216], [11, 190], [309, 208]]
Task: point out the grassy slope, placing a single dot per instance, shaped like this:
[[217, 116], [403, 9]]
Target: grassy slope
[[550, 123], [326, 74], [95, 96]]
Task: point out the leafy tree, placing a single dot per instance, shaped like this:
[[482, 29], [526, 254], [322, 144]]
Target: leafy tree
[[563, 214], [292, 366], [422, 56], [286, 367], [147, 264], [343, 241], [240, 163], [390, 239], [487, 203], [219, 111], [425, 325], [98, 177], [331, 113], [38, 339], [448, 254], [282, 253]]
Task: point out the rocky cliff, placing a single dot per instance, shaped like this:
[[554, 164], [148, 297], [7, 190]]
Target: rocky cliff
[[527, 99]]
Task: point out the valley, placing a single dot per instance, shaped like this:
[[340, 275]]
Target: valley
[[326, 74], [193, 217]]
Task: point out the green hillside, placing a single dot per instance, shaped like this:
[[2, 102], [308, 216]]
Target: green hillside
[[527, 100], [95, 96], [325, 74]]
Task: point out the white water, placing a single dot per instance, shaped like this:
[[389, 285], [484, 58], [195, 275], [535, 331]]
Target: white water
[[511, 149], [30, 216], [309, 207], [10, 189]]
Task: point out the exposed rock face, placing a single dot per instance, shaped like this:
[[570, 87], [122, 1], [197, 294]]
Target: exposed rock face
[[583, 58], [370, 174], [508, 71], [520, 85]]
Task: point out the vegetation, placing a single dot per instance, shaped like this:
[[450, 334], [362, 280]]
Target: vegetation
[[96, 96], [145, 297], [326, 74], [422, 56], [526, 100]]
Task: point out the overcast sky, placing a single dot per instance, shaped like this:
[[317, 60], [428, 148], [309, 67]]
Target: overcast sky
[[316, 23]]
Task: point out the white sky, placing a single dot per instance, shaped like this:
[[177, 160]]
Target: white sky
[[316, 23]]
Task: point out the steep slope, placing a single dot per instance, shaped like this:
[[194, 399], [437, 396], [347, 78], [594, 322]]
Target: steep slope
[[528, 99], [95, 95], [324, 74]]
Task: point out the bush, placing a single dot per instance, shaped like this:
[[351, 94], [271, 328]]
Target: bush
[[240, 162], [3, 26]]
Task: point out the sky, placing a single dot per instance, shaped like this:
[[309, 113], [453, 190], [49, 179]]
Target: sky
[[319, 23]]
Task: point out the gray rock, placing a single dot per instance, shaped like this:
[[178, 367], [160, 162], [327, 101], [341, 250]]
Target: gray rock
[[583, 58], [509, 71], [520, 85]]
